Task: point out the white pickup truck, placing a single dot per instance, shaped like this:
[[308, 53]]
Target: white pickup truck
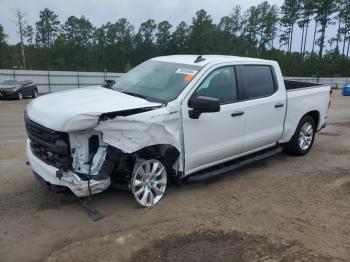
[[171, 118]]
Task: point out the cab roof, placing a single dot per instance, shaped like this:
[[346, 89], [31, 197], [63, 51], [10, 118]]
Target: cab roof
[[190, 59]]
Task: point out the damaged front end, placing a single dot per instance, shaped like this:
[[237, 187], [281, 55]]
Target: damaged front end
[[70, 160], [80, 185], [89, 161], [150, 133]]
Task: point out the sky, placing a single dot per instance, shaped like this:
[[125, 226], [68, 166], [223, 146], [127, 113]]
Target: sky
[[136, 11]]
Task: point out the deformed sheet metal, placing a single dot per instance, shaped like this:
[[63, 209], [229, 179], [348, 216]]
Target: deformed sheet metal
[[135, 132]]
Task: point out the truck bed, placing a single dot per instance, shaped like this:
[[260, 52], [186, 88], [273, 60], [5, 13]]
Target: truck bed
[[292, 85], [302, 98]]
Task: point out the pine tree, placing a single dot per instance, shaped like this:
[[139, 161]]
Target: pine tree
[[3, 47], [202, 36], [251, 25], [267, 23], [47, 28], [308, 10], [163, 37], [180, 38], [290, 14], [324, 10]]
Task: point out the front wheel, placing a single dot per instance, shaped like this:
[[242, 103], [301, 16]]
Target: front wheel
[[19, 95], [303, 138], [148, 182]]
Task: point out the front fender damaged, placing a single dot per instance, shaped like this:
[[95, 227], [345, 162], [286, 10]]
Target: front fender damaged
[[131, 135], [135, 132]]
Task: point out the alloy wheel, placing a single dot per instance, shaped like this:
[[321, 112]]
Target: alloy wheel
[[305, 136], [149, 182]]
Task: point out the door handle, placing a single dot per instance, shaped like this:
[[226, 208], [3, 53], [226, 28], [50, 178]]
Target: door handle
[[237, 113], [279, 105]]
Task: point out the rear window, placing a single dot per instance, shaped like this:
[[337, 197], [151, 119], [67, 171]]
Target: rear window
[[258, 81]]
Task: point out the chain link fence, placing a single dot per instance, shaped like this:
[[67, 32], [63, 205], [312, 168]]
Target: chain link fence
[[53, 81]]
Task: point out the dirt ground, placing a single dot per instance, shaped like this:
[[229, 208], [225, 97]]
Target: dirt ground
[[282, 209]]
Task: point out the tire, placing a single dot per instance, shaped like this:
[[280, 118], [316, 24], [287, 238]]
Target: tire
[[148, 181], [303, 138], [35, 93], [20, 95]]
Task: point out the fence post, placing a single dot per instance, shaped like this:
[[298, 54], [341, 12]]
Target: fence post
[[78, 79], [48, 78], [14, 74]]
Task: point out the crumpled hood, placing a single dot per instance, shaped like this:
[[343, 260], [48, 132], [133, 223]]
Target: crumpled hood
[[80, 109]]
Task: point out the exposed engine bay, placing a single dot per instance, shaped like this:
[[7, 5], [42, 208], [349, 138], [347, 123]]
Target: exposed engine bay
[[88, 152]]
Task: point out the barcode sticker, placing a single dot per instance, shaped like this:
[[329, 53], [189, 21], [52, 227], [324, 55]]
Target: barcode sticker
[[186, 71]]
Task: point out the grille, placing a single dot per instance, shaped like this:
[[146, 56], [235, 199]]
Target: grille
[[48, 145]]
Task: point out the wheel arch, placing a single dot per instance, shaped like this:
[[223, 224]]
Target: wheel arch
[[293, 146], [165, 152], [117, 161], [291, 125], [315, 114]]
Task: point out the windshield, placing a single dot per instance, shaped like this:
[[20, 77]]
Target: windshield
[[157, 81], [11, 82]]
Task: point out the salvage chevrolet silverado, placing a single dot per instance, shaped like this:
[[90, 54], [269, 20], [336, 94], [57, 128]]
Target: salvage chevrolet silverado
[[171, 119]]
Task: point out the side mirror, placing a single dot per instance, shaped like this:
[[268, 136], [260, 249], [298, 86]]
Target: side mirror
[[108, 83], [203, 104]]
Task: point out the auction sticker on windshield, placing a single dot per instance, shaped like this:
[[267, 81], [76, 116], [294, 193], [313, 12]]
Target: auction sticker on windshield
[[186, 71]]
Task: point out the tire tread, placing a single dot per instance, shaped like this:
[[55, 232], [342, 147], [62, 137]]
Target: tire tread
[[292, 146]]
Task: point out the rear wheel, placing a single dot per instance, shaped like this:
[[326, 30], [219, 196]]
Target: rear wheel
[[149, 181], [19, 95], [35, 93], [303, 138]]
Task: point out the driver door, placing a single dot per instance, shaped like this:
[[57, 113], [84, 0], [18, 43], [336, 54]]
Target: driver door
[[214, 137]]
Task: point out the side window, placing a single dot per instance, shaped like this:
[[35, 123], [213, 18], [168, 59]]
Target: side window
[[220, 84], [258, 81]]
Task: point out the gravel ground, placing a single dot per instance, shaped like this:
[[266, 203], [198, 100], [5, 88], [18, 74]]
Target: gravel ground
[[282, 209]]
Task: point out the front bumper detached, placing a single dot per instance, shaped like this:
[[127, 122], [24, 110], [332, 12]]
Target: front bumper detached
[[71, 180]]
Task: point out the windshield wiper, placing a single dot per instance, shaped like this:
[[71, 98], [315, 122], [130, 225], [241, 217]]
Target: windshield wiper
[[150, 99], [134, 94]]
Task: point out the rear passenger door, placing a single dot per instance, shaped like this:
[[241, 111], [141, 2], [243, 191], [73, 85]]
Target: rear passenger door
[[264, 105]]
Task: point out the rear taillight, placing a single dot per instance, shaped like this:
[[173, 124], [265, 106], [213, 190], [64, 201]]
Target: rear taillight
[[330, 91]]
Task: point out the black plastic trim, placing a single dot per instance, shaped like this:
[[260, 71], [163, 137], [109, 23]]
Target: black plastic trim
[[50, 146], [232, 165]]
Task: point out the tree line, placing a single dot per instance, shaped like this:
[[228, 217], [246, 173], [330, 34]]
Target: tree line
[[264, 31]]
